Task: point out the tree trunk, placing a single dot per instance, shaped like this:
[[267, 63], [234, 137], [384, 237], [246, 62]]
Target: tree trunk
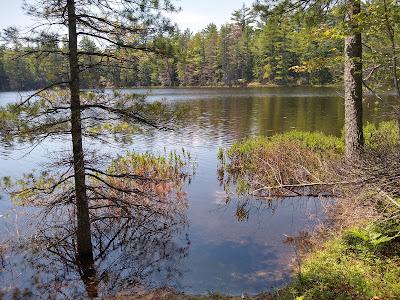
[[395, 77], [84, 243], [353, 83]]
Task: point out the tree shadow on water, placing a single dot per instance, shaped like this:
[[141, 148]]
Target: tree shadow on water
[[138, 231]]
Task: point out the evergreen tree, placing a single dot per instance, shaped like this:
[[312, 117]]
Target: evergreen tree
[[244, 17], [46, 113]]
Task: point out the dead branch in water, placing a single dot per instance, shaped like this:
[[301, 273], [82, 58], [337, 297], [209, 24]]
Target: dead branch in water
[[304, 185]]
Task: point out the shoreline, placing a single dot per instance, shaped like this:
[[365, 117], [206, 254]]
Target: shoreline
[[170, 294], [197, 87]]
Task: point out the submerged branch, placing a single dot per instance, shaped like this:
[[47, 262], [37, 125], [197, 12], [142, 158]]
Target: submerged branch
[[304, 185]]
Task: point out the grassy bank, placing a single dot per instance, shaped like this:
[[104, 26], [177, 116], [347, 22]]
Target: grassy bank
[[359, 264]]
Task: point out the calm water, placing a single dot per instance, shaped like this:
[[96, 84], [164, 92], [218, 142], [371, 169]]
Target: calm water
[[212, 251]]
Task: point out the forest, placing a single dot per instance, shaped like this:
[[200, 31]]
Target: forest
[[260, 45]]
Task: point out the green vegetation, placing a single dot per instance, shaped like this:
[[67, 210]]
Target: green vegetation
[[247, 152], [260, 45], [312, 140], [360, 264], [272, 165], [384, 132]]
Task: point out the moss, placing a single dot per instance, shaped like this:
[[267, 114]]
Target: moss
[[347, 268]]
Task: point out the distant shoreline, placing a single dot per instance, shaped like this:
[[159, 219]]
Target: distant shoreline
[[249, 86]]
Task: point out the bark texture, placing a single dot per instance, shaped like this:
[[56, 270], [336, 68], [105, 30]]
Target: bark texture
[[83, 234], [353, 83]]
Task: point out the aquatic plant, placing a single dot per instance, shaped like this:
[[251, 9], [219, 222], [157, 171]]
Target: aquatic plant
[[290, 164]]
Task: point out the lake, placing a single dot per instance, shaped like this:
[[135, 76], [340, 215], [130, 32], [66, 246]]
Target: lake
[[213, 251]]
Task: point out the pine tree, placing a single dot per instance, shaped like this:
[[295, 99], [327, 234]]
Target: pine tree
[[48, 113]]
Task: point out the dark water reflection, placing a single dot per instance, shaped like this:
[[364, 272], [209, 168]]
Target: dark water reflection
[[137, 251], [208, 249]]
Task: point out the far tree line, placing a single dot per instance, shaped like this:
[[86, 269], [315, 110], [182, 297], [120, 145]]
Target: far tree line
[[260, 45]]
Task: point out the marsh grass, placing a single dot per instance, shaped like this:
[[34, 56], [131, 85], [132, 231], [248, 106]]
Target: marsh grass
[[278, 166]]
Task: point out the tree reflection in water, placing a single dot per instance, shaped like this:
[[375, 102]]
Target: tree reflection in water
[[138, 241]]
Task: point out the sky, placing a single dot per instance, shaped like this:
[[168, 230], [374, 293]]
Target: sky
[[195, 14]]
